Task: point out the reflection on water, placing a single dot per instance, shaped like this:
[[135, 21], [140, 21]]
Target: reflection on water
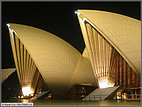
[[24, 101], [68, 102]]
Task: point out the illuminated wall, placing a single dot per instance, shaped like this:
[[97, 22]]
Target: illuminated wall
[[124, 75]]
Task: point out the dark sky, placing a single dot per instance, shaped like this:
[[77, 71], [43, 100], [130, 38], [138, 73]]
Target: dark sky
[[57, 18]]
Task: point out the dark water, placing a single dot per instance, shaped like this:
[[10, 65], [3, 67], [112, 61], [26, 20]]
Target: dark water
[[81, 103]]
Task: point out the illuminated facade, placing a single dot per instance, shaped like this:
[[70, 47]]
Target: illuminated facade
[[111, 57]]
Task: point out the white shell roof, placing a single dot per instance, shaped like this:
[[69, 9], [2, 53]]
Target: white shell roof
[[124, 33]]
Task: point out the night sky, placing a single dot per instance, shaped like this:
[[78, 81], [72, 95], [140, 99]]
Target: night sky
[[57, 18]]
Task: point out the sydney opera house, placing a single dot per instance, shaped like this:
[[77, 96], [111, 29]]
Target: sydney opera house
[[111, 59]]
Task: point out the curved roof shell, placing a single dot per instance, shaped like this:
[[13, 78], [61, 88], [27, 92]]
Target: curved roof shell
[[56, 59], [7, 72], [122, 32]]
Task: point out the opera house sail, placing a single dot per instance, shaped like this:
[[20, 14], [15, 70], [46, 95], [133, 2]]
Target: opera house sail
[[112, 55], [39, 52], [113, 42]]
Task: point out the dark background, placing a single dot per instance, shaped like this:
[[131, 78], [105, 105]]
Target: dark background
[[57, 18]]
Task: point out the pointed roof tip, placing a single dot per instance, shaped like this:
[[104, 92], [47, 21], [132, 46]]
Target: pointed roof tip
[[8, 25], [75, 11]]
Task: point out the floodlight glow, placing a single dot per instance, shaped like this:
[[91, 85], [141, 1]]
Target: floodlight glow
[[26, 91], [76, 12], [8, 25], [105, 83]]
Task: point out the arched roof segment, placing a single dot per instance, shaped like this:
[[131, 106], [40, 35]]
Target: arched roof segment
[[56, 59], [83, 74], [6, 73], [124, 33]]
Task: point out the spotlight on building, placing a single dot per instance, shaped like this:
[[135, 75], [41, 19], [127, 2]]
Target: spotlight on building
[[76, 12], [8, 25], [26, 91], [105, 83]]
